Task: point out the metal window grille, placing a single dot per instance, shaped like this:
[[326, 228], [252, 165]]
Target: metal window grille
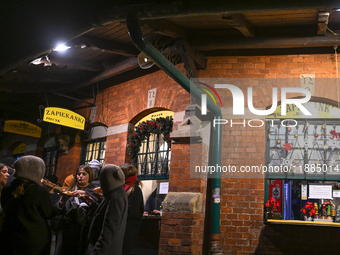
[[153, 159], [314, 152], [94, 149], [51, 160]]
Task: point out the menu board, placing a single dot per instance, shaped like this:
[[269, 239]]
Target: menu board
[[320, 192]]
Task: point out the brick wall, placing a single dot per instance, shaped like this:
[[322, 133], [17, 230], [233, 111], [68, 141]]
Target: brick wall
[[121, 103], [242, 230], [182, 232], [68, 164], [242, 199]]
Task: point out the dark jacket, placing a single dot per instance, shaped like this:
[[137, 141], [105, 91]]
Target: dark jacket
[[134, 218], [73, 223], [109, 221], [25, 229]]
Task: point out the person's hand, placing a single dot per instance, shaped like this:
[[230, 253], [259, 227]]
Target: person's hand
[[65, 196], [51, 191], [156, 211], [79, 192], [88, 200], [145, 213]]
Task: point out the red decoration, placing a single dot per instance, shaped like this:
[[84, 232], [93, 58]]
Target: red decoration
[[272, 205], [334, 134], [308, 210], [316, 135], [143, 130], [287, 146]]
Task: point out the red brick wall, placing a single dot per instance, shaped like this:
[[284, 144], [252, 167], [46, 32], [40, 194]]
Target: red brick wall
[[182, 232], [121, 103], [242, 229], [68, 164]]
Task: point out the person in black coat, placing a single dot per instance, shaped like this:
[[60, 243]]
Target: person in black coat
[[74, 210], [135, 207], [109, 221], [27, 206]]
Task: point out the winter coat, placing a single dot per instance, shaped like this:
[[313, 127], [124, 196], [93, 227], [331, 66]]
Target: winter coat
[[109, 221], [25, 229], [134, 218], [73, 224]]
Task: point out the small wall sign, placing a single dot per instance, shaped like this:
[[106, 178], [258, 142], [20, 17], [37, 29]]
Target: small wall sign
[[151, 98]]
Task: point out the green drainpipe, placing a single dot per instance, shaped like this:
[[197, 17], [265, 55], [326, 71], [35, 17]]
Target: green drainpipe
[[144, 46]]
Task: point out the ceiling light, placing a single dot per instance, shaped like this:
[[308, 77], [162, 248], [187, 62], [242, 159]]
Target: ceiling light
[[61, 47]]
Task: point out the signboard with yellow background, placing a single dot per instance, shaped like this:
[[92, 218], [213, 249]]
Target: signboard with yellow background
[[64, 117], [22, 128]]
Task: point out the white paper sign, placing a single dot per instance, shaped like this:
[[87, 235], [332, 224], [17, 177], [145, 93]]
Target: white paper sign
[[151, 98], [320, 191], [163, 188], [336, 193]]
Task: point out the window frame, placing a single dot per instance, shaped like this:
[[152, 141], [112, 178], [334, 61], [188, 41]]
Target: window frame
[[84, 159]]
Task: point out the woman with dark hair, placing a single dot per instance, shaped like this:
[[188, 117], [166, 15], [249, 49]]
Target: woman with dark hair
[[3, 180], [27, 205], [135, 207], [74, 205]]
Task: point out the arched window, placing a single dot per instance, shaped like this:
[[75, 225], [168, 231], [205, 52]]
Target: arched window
[[149, 145]]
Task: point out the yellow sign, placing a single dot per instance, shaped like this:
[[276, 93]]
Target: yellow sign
[[20, 149], [317, 109], [156, 115], [64, 117], [22, 128]]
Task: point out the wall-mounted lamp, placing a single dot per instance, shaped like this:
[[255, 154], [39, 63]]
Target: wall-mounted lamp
[[144, 61]]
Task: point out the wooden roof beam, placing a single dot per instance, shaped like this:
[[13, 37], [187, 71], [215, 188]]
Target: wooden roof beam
[[108, 46], [240, 23], [163, 27], [75, 65], [263, 43], [121, 67]]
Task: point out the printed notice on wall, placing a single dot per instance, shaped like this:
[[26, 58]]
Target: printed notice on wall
[[304, 191], [320, 191], [163, 188]]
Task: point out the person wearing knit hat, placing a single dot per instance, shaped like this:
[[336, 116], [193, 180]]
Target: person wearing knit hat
[[96, 166], [28, 206], [108, 225]]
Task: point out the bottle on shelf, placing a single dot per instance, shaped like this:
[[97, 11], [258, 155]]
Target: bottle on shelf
[[316, 208], [161, 209]]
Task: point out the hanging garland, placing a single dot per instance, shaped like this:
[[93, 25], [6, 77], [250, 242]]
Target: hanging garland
[[144, 129]]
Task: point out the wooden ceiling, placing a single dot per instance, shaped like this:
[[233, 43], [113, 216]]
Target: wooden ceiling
[[102, 53]]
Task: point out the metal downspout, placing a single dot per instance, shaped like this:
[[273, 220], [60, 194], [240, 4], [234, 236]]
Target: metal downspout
[[144, 46]]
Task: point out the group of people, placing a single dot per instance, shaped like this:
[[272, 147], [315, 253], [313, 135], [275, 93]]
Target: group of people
[[85, 221]]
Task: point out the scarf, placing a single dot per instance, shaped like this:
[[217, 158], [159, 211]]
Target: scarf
[[129, 181]]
